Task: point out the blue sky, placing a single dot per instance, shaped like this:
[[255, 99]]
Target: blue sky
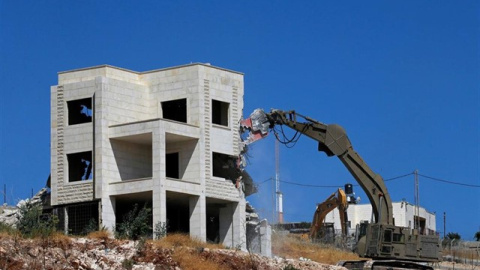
[[402, 77]]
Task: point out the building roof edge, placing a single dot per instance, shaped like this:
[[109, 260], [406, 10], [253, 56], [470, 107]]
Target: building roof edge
[[149, 71]]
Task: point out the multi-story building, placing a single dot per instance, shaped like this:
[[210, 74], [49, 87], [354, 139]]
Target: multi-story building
[[404, 214], [166, 139]]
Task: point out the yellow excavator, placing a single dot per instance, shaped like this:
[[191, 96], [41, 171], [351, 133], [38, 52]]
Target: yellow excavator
[[338, 199]]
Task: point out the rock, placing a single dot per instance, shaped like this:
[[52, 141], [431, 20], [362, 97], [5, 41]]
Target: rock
[[34, 252]]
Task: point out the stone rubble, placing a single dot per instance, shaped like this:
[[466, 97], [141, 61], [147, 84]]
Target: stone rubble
[[10, 215], [95, 254]]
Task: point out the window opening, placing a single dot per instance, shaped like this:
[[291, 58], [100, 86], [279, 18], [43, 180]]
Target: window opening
[[175, 110], [81, 217], [172, 165], [178, 215], [387, 236], [80, 166], [220, 113], [79, 111], [398, 237], [225, 166]]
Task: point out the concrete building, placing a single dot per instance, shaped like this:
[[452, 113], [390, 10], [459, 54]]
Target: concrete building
[[167, 139], [404, 214]]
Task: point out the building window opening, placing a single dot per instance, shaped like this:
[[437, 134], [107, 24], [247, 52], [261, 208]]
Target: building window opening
[[172, 165], [80, 166], [79, 111], [224, 166], [220, 113], [82, 218], [213, 223], [175, 110], [178, 213]]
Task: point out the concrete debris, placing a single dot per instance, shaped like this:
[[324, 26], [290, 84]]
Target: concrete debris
[[259, 233], [83, 253], [11, 214]]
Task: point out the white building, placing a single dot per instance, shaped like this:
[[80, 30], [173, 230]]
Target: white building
[[404, 214], [166, 138]]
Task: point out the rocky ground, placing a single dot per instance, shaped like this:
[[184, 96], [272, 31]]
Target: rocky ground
[[83, 253]]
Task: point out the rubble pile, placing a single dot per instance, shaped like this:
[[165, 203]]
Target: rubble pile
[[85, 253], [10, 215]]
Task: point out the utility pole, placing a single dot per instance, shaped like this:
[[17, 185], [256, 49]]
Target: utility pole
[[4, 193], [279, 197], [417, 201], [444, 224]]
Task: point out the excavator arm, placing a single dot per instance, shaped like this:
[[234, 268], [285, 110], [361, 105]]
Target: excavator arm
[[382, 239], [333, 140]]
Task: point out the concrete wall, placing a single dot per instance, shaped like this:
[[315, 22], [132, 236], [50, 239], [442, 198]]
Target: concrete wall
[[403, 213]]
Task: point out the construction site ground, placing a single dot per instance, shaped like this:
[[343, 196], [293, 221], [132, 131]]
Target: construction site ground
[[99, 251]]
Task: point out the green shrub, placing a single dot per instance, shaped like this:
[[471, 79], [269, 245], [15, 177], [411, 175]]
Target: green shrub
[[135, 224], [33, 223], [8, 229], [290, 267], [128, 264], [92, 226]]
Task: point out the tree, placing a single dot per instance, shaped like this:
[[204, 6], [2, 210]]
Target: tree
[[453, 235], [477, 236]]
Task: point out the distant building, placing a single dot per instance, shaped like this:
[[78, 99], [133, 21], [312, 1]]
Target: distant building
[[167, 139], [404, 215]]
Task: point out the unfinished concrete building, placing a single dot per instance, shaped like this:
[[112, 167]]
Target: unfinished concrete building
[[167, 139]]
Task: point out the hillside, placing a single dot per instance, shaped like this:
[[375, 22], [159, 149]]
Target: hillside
[[97, 251]]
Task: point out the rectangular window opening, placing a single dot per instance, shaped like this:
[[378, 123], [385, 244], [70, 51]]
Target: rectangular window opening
[[387, 236], [80, 166], [224, 166], [79, 111], [172, 165], [175, 110], [220, 113]]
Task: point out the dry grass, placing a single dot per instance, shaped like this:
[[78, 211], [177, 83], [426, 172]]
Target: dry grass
[[294, 247], [189, 259], [470, 254], [101, 235], [183, 240], [186, 251]]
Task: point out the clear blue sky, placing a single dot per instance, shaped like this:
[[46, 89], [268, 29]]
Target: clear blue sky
[[401, 76]]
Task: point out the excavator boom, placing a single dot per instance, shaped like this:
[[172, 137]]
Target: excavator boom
[[333, 140]]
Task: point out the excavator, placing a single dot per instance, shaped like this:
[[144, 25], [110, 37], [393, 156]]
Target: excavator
[[338, 199], [388, 245]]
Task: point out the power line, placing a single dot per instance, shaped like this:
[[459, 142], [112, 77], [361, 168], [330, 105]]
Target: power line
[[449, 182], [398, 177], [386, 180], [306, 185]]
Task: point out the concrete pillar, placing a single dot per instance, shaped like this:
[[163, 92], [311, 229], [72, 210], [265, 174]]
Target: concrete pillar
[[226, 225], [159, 207], [265, 232], [198, 220], [159, 195], [108, 212], [65, 219], [239, 225]]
